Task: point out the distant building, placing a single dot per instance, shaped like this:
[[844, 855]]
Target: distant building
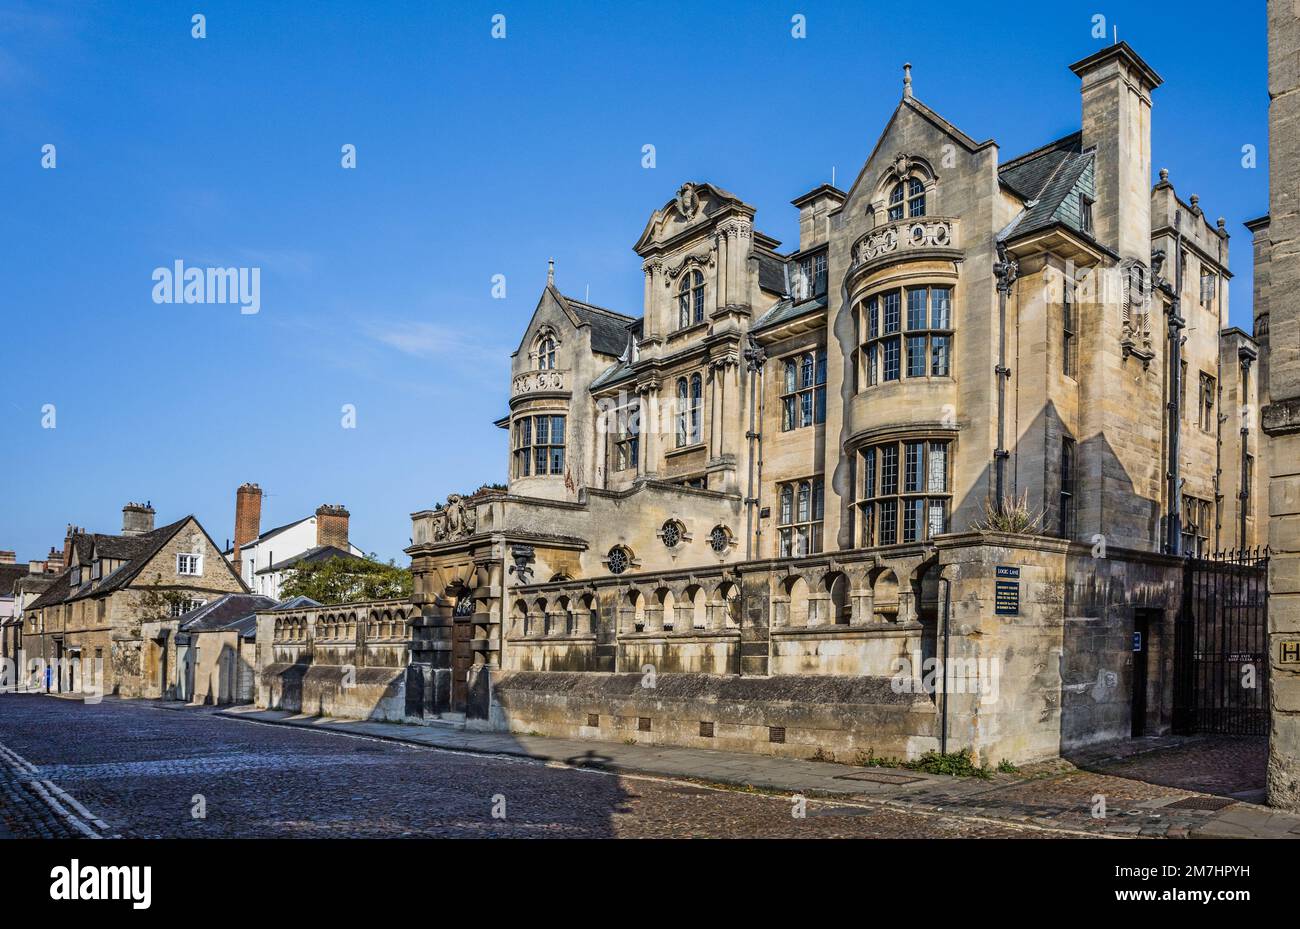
[[263, 559], [94, 609]]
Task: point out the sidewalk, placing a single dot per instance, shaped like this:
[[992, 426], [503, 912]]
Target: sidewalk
[[1054, 795]]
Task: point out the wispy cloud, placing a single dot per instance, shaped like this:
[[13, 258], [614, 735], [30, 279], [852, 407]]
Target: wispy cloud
[[436, 341]]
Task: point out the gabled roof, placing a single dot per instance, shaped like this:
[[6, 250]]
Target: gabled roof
[[1051, 180], [609, 328], [296, 603], [9, 575], [268, 534]]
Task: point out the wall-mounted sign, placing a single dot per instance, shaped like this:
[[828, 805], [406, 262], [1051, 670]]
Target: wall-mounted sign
[[1288, 652], [1006, 598], [1137, 641], [1006, 570]]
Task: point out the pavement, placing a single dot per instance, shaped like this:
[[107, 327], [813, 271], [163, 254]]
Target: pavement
[[1098, 793], [137, 769]]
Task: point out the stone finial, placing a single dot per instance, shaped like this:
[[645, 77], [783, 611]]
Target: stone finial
[[1164, 175], [907, 79], [550, 272], [1221, 223]]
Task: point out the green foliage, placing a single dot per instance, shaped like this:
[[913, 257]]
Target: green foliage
[[347, 580], [1006, 767], [956, 764], [158, 602]]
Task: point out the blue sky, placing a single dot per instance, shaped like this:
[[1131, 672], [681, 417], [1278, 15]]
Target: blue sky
[[475, 157]]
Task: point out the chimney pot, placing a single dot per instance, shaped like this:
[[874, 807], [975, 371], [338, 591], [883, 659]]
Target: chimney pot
[[137, 519]]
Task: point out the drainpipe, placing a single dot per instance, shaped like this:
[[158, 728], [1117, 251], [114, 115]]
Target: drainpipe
[[754, 360], [1173, 532], [943, 709], [1005, 270]]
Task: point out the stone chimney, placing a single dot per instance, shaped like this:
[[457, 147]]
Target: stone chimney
[[137, 519], [54, 561], [332, 525], [8, 557], [1116, 86], [248, 520]]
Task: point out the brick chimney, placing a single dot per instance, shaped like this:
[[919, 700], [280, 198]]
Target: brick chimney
[[332, 526], [1116, 85], [137, 519], [67, 544], [248, 520]]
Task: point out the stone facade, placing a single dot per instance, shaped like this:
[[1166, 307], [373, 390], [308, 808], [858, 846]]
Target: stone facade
[[758, 512], [96, 610], [1277, 243]]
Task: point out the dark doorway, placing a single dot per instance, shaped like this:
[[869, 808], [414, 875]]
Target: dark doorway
[[1141, 649], [462, 658]]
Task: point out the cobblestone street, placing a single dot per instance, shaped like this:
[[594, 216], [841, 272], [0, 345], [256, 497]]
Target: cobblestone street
[[143, 770]]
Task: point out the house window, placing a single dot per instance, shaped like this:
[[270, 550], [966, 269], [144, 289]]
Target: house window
[[690, 299], [181, 607], [922, 348], [1085, 214], [627, 441], [799, 527], [96, 569], [907, 195], [1209, 282], [1068, 478], [1207, 402], [188, 563], [1068, 347], [76, 576], [803, 397], [546, 353], [1196, 527], [539, 445], [810, 277], [905, 494], [690, 402]]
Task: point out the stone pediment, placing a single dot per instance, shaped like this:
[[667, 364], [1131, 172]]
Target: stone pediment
[[693, 205]]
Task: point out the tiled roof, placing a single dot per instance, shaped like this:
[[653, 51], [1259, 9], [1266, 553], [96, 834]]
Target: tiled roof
[[136, 550], [1050, 180], [9, 574], [224, 612], [268, 534], [317, 553], [609, 329], [786, 310]]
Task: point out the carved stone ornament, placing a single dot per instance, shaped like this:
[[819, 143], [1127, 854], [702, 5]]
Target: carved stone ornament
[[688, 201], [702, 259], [454, 521]]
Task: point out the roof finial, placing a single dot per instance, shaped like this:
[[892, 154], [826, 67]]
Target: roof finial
[[550, 272], [907, 80]]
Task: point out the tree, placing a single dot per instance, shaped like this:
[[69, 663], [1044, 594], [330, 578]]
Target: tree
[[347, 580]]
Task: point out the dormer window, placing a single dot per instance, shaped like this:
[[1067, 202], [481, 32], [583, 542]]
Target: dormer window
[[76, 576], [690, 299], [97, 569], [809, 277], [908, 196]]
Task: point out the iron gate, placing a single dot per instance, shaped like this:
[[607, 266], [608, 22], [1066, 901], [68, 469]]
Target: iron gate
[[1221, 646]]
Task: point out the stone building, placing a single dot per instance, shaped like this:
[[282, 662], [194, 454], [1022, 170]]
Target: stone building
[[752, 514], [94, 610], [1277, 239]]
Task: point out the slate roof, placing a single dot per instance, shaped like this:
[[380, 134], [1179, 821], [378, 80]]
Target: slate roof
[[771, 273], [9, 574], [296, 603], [270, 533], [317, 553], [225, 612], [786, 310], [609, 329], [137, 551], [1050, 180]]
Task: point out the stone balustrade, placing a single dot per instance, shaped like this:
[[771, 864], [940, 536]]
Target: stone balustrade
[[904, 235]]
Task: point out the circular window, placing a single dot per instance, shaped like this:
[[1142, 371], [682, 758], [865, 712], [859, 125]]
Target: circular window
[[720, 539], [619, 560], [671, 533]]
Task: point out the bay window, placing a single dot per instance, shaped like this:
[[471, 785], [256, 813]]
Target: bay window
[[539, 445], [905, 494], [908, 332]]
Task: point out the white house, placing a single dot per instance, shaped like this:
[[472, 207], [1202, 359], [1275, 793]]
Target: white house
[[263, 559]]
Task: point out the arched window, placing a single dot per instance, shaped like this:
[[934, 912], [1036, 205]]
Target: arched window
[[546, 353], [907, 198], [697, 406], [683, 405], [690, 299]]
